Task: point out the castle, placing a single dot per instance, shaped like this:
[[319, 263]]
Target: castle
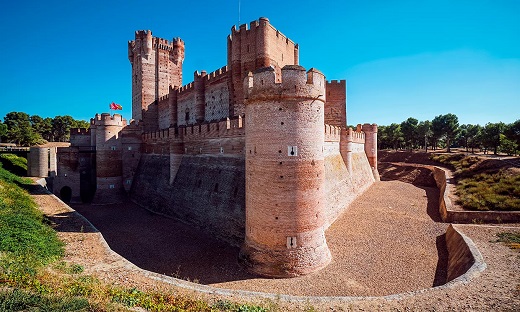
[[256, 152]]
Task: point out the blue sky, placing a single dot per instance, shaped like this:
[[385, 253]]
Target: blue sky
[[400, 58]]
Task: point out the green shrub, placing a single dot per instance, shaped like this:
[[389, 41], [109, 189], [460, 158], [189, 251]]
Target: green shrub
[[18, 300], [490, 190]]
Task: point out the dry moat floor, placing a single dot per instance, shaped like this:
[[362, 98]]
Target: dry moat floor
[[381, 245], [389, 241]]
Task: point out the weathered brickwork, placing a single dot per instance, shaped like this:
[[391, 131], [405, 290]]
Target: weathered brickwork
[[256, 152], [156, 65], [285, 232], [335, 108]]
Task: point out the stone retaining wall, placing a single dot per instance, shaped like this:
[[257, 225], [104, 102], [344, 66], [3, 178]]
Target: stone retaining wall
[[467, 216]]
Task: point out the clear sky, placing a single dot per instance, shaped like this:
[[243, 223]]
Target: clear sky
[[403, 58]]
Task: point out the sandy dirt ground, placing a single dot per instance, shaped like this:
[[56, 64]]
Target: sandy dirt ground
[[389, 241]]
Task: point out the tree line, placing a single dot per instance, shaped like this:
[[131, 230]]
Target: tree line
[[25, 130], [444, 131]]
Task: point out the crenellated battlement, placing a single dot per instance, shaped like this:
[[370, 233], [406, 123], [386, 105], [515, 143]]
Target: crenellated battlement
[[223, 128], [336, 82], [332, 133], [217, 74], [186, 88], [108, 120], [295, 82], [165, 44], [368, 128], [262, 22], [79, 131], [355, 136]]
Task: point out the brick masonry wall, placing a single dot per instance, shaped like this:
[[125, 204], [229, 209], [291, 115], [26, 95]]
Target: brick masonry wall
[[217, 100], [207, 192], [68, 172], [341, 187], [164, 113], [335, 107]]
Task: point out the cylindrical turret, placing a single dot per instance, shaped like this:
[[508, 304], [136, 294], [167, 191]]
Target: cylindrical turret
[[178, 51], [262, 44], [173, 105], [200, 100], [38, 162], [149, 44], [109, 174], [285, 203], [371, 147]]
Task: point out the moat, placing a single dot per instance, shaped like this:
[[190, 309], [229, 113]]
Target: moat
[[381, 245]]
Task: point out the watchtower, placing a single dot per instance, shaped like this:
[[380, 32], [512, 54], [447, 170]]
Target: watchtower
[[109, 174], [254, 47], [285, 201], [156, 65]]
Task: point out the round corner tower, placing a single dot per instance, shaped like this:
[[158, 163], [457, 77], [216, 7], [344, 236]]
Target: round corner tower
[[109, 174], [285, 203], [370, 131]]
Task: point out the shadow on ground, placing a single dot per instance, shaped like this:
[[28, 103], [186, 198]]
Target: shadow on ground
[[164, 245]]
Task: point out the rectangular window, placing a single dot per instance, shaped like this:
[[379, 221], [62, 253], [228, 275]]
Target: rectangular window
[[112, 186]]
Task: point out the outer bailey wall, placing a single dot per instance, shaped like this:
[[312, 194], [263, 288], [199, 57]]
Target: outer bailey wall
[[341, 188], [208, 191]]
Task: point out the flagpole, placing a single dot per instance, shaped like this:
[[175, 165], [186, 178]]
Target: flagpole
[[238, 12]]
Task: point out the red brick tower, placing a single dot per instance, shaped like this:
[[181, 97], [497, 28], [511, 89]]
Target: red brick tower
[[109, 173], [285, 172], [258, 46], [371, 147], [156, 65]]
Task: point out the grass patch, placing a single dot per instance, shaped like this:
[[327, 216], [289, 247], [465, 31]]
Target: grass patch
[[26, 243], [14, 164], [34, 278], [490, 189], [510, 239], [20, 300]]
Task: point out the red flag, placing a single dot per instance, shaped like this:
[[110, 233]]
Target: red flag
[[115, 106]]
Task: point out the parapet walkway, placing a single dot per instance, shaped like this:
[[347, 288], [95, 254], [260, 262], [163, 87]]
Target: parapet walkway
[[387, 242]]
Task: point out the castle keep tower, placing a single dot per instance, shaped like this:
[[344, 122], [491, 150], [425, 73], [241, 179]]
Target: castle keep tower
[[285, 172], [249, 49], [156, 65], [109, 173]]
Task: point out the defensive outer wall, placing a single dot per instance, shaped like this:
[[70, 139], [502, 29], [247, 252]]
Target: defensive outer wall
[[256, 153]]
